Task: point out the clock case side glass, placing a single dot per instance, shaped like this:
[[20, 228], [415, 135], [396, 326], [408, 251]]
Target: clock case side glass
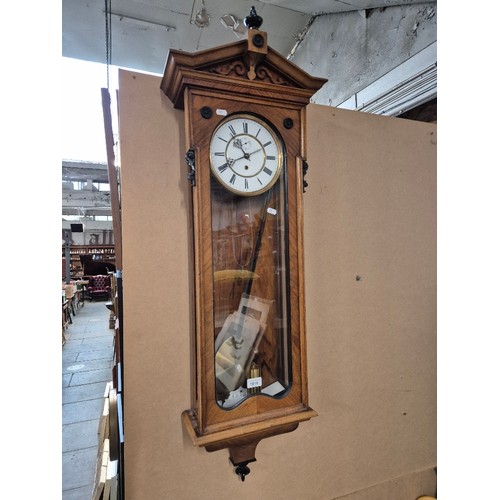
[[252, 332]]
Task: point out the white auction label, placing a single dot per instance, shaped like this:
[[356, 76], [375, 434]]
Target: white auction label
[[254, 382], [221, 112], [272, 211]]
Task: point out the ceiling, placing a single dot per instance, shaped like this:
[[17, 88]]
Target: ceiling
[[142, 32], [88, 200]]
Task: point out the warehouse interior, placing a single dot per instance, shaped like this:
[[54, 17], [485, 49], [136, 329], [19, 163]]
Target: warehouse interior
[[337, 40]]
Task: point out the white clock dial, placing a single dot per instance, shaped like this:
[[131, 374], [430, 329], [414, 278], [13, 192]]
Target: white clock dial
[[246, 155]]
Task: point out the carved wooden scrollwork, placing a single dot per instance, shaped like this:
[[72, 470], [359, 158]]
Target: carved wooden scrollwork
[[237, 68], [240, 69], [266, 75]]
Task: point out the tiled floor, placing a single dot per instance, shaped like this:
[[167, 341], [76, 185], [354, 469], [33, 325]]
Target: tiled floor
[[87, 360]]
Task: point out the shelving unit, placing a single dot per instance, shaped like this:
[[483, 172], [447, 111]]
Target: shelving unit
[[99, 253]]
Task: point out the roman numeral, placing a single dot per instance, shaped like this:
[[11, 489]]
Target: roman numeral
[[256, 135], [246, 183], [219, 153], [245, 127], [219, 137], [233, 178], [223, 167], [260, 182], [267, 144], [231, 128], [268, 157], [267, 171]]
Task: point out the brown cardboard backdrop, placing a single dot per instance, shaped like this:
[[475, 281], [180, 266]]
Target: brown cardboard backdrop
[[370, 260]]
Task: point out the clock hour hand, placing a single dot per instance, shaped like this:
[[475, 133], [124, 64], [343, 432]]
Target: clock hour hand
[[231, 161]]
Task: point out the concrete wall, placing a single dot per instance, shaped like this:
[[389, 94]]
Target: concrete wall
[[359, 47], [370, 260]]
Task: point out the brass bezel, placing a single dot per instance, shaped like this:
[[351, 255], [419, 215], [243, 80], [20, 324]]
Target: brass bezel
[[279, 146]]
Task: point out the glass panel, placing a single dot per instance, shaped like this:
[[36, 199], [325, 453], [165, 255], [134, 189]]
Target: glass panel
[[251, 317]]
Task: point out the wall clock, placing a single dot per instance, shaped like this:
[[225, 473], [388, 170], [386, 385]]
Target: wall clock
[[244, 108]]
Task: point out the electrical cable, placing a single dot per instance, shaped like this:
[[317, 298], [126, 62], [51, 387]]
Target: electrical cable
[[107, 11]]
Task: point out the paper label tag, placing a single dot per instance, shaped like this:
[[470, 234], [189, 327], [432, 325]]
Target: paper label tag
[[272, 211], [254, 382], [221, 112]]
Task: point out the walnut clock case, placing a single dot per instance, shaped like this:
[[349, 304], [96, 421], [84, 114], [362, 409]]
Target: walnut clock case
[[244, 108]]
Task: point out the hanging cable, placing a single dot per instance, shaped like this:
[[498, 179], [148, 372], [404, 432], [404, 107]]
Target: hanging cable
[[107, 11]]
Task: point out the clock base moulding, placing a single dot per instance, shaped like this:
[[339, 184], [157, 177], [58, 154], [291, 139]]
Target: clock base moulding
[[243, 439]]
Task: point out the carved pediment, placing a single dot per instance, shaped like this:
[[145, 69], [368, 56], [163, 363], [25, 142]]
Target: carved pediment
[[241, 66]]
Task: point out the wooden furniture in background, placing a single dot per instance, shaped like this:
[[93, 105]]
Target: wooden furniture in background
[[69, 291], [66, 318], [98, 254], [99, 287], [81, 292], [106, 477]]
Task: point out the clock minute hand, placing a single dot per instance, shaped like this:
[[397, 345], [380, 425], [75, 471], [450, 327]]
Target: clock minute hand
[[250, 154]]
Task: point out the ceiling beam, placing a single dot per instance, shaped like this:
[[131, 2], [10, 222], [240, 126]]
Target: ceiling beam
[[82, 171], [88, 212]]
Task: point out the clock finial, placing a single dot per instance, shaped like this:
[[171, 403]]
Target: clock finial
[[253, 21], [257, 42]]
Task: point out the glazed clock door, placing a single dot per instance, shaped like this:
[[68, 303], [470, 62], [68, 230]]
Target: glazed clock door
[[250, 262]]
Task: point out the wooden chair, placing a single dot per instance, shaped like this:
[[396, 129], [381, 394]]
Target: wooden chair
[[66, 319], [80, 295], [70, 290]]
